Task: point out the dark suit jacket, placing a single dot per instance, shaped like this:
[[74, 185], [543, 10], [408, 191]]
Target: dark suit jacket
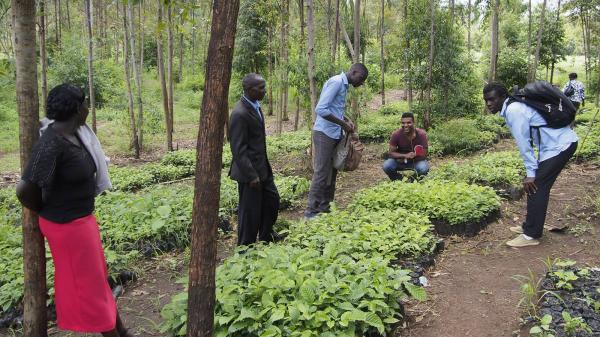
[[248, 145]]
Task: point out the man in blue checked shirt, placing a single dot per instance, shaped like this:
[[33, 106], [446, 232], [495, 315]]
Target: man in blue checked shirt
[[326, 134], [555, 148], [578, 92]]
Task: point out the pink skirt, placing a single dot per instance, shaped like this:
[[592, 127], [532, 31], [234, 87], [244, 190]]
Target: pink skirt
[[83, 299]]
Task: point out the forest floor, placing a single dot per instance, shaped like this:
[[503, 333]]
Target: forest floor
[[472, 287]]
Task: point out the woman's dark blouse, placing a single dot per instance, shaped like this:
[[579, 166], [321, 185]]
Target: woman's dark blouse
[[65, 173]]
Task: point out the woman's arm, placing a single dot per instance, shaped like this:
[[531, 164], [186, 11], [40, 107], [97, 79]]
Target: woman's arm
[[30, 195]]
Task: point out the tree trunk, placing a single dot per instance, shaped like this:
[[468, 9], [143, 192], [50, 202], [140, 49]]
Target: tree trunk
[[170, 64], [408, 59], [285, 59], [34, 254], [193, 56], [68, 15], [469, 27], [297, 114], [44, 58], [553, 54], [427, 114], [271, 73], [161, 75], [347, 39], [598, 83], [529, 32], [137, 76], [205, 216], [126, 60], [381, 35], [90, 60], [539, 44], [336, 34], [142, 20], [180, 70], [311, 57], [56, 24], [494, 49], [356, 31]]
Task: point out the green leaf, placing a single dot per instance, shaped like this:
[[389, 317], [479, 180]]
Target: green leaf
[[417, 292], [164, 211], [373, 320], [157, 224]]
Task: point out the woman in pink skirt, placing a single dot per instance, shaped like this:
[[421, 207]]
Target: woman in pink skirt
[[60, 184]]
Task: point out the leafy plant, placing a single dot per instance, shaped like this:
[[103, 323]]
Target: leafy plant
[[543, 329], [395, 108], [573, 325], [461, 136]]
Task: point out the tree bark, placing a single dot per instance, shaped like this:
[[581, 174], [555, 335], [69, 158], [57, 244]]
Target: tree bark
[[68, 15], [336, 34], [90, 60], [137, 76], [408, 59], [43, 57], [285, 59], [205, 216], [270, 65], [56, 24], [356, 31], [161, 75], [427, 114], [311, 57], [34, 257], [553, 54], [170, 63], [539, 44], [494, 48], [126, 60], [180, 70], [381, 36], [529, 32]]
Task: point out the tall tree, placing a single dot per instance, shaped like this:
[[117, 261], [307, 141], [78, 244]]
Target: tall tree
[[529, 32], [301, 18], [533, 70], [126, 63], [381, 35], [427, 114], [310, 25], [408, 59], [161, 74], [205, 215], [285, 26], [137, 75], [90, 60], [170, 62], [494, 48], [356, 31], [43, 57], [34, 257]]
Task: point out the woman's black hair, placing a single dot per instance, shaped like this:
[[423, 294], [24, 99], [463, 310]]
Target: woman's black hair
[[64, 101]]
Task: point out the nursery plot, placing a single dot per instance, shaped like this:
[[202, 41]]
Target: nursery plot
[[571, 302], [503, 171], [453, 207], [460, 136]]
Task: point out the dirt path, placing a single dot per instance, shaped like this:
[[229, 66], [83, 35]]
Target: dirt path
[[473, 292]]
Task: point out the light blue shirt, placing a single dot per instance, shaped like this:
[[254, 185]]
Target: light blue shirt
[[255, 105], [332, 102], [519, 117]]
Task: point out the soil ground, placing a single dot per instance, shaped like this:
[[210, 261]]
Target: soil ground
[[472, 291]]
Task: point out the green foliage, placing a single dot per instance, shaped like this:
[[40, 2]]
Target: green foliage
[[288, 143], [498, 170], [395, 108], [573, 325], [460, 136], [251, 40], [292, 186], [543, 329], [450, 202], [511, 69], [377, 128], [589, 145]]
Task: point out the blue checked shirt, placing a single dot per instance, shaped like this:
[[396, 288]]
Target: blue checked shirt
[[332, 102], [519, 118], [579, 94]]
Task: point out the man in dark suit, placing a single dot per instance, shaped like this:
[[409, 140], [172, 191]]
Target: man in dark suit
[[250, 167]]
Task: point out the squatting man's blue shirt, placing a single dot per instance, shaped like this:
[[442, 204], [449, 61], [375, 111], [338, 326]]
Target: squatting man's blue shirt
[[519, 117], [332, 102]]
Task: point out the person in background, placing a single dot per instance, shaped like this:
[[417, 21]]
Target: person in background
[[408, 150], [327, 132], [575, 91], [258, 196], [65, 173], [555, 148]]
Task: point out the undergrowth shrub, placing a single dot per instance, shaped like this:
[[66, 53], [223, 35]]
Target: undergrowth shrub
[[377, 128], [588, 147], [394, 108], [499, 170], [454, 203], [460, 136]]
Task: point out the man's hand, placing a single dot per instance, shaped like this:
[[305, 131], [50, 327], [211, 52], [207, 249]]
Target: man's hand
[[348, 127], [529, 185], [410, 155], [255, 183]]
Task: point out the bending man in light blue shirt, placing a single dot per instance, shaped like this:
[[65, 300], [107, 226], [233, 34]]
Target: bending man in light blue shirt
[[555, 148], [327, 132]]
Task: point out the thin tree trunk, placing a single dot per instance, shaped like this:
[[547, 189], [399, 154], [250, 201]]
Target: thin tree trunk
[[126, 61], [205, 217], [330, 32], [598, 82], [553, 54], [56, 24], [193, 56], [469, 27], [356, 31], [90, 60], [285, 59], [381, 35], [311, 57], [161, 74], [302, 39], [34, 257], [529, 34], [68, 15], [539, 44], [170, 64], [336, 34], [142, 19], [43, 57], [364, 19], [297, 114], [427, 114], [408, 59], [494, 49], [180, 70], [137, 77], [347, 39], [271, 74]]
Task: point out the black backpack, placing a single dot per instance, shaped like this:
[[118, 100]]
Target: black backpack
[[548, 101], [569, 91]]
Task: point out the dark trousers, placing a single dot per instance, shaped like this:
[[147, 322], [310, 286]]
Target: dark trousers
[[257, 212], [537, 204], [322, 185]]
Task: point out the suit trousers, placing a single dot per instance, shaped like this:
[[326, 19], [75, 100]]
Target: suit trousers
[[537, 203], [322, 186], [257, 212]]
